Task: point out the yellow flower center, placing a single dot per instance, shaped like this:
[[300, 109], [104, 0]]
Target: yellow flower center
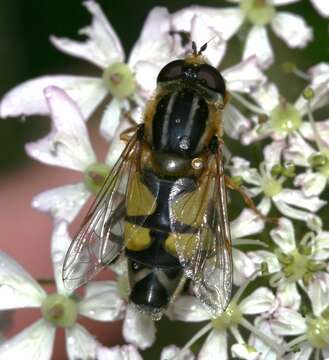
[[271, 187], [59, 310], [232, 316], [285, 118], [258, 12], [119, 80], [318, 332], [95, 175]]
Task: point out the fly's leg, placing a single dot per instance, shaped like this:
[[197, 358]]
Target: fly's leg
[[248, 200], [126, 134]]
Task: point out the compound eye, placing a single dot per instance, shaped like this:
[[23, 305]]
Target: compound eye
[[171, 71], [211, 78]]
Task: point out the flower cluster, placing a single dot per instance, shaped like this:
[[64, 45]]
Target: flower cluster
[[280, 247]]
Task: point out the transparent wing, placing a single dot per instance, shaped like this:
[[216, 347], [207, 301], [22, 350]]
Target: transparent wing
[[101, 236], [204, 246]]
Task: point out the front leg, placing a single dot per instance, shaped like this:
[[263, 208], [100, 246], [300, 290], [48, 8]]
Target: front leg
[[230, 183]]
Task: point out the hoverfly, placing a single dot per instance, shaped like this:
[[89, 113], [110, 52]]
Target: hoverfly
[[163, 206]]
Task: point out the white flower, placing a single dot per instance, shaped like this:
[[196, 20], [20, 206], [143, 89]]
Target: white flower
[[171, 351], [280, 318], [226, 22], [128, 82], [284, 118], [68, 146], [312, 330], [187, 308], [246, 224], [322, 6], [293, 262], [289, 202], [125, 352], [313, 158], [19, 290]]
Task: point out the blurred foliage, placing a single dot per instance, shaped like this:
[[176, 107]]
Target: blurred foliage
[[25, 52]]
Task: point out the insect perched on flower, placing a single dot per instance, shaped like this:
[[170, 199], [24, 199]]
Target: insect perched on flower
[[163, 206]]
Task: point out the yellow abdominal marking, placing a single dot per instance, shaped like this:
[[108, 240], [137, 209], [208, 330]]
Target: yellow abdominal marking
[[137, 237], [140, 200], [186, 243]]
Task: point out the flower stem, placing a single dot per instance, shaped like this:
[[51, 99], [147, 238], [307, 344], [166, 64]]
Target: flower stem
[[248, 104], [196, 337], [318, 140], [298, 340], [280, 349], [249, 242], [301, 74]]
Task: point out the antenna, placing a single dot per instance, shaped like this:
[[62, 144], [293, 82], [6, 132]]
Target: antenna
[[202, 48]]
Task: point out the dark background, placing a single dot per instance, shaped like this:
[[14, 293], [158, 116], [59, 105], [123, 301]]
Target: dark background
[[25, 53]]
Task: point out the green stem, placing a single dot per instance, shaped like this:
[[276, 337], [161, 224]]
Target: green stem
[[196, 337], [248, 104]]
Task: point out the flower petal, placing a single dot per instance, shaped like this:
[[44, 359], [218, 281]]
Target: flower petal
[[267, 96], [125, 352], [248, 223], [297, 198], [102, 301], [272, 153], [322, 6], [33, 343], [294, 213], [258, 44], [235, 123], [60, 243], [155, 45], [146, 75], [241, 167], [292, 29], [262, 256], [322, 129], [102, 46], [320, 72], [243, 351], [284, 235], [215, 346], [318, 292], [187, 308], [225, 21], [284, 2], [171, 351], [319, 100], [267, 352], [245, 76], [62, 203], [259, 301], [312, 184], [111, 118], [68, 144], [298, 151], [288, 322], [28, 98], [288, 295], [80, 344], [201, 33], [138, 329], [321, 246], [243, 267], [17, 288]]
